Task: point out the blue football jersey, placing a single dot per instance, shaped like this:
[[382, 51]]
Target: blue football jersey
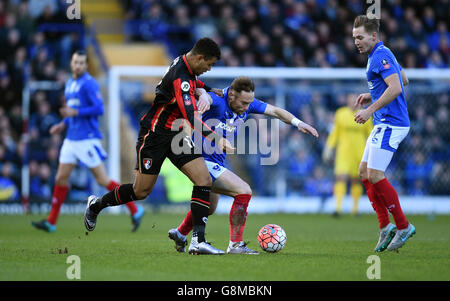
[[381, 64], [224, 121], [84, 95]]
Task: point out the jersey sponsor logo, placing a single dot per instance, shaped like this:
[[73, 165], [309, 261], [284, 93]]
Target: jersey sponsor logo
[[386, 64], [73, 87], [370, 85], [185, 86], [73, 102], [226, 127], [147, 163]]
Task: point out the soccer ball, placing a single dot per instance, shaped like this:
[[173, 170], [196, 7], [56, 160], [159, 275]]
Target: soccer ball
[[272, 238]]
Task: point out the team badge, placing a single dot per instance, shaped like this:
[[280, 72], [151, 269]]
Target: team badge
[[185, 86], [385, 64], [187, 99], [147, 163]]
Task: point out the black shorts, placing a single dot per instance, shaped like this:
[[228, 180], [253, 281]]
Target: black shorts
[[152, 149]]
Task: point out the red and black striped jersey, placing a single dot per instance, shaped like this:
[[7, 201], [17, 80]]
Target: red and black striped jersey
[[175, 99]]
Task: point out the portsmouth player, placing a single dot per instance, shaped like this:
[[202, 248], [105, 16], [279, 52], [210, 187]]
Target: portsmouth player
[[84, 104], [226, 114], [387, 104], [174, 100]]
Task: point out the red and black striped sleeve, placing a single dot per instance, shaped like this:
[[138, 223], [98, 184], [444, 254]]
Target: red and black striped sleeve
[[185, 97]]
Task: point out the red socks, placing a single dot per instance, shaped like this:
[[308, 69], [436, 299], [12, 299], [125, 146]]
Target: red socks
[[112, 184], [387, 194], [383, 196], [58, 198], [131, 205], [238, 216], [186, 226]]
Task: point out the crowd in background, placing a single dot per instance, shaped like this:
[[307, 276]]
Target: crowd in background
[[250, 33], [302, 33], [37, 43]]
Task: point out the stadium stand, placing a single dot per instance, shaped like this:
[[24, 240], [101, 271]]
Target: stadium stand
[[37, 40]]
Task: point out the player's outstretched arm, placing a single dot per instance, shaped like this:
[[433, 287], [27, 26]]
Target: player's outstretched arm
[[289, 118]]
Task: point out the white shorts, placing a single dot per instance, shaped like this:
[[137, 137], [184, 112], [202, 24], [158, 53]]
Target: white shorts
[[89, 152], [215, 169], [381, 145]]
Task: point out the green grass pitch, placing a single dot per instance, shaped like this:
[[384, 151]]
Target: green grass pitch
[[319, 247]]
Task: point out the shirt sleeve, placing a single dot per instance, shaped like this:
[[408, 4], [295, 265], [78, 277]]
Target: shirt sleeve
[[94, 100], [216, 100], [185, 97], [384, 64], [257, 107]]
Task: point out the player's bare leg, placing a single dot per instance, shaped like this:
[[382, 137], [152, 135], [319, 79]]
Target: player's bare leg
[[58, 197], [198, 173], [136, 211]]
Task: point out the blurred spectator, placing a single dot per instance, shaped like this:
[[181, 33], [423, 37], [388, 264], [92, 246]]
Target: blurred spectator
[[314, 29], [40, 181], [8, 187], [319, 184], [418, 169]]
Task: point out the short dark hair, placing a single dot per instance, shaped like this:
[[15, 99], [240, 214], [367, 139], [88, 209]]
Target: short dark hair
[[370, 25], [81, 52], [243, 83], [207, 47]]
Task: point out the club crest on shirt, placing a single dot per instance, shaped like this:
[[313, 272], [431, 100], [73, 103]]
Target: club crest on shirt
[[386, 64], [187, 99], [147, 163], [185, 86]]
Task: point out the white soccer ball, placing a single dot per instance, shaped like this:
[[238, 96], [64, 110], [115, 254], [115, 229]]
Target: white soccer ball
[[272, 238]]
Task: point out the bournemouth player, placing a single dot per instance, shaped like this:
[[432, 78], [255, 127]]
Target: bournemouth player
[[175, 99], [387, 104], [84, 104], [227, 114], [348, 139]]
